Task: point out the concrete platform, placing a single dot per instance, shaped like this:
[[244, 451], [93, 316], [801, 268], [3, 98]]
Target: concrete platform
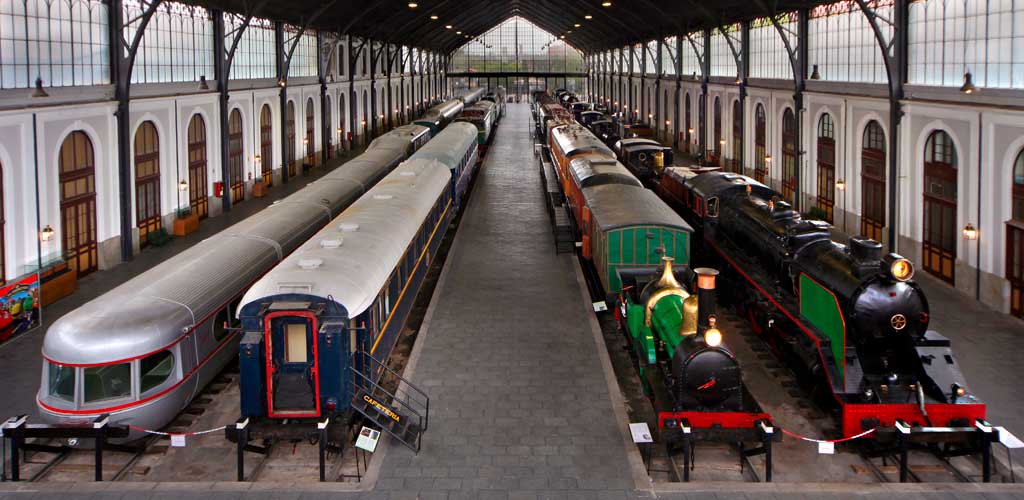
[[519, 398]]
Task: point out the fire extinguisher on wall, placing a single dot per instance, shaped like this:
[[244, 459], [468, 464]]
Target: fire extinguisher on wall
[[218, 189]]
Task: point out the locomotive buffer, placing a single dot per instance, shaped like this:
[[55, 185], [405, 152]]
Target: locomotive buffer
[[693, 380]]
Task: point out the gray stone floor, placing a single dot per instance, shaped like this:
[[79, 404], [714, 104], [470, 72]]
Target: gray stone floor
[[519, 402]]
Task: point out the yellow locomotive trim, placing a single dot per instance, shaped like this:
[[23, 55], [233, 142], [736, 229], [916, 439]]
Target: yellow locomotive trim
[[412, 272]]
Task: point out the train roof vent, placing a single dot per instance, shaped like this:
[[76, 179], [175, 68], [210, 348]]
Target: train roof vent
[[382, 196], [331, 242], [310, 263], [407, 173], [348, 227]]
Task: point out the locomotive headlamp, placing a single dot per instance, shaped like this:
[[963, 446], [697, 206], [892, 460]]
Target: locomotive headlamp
[[713, 337], [899, 268]]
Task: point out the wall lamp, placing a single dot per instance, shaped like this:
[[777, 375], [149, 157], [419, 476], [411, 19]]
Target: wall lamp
[[970, 232]]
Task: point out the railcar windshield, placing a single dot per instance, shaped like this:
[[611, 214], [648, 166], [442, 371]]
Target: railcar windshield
[[62, 382], [107, 382], [155, 370]]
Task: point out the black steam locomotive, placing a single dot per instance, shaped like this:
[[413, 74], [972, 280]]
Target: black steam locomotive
[[851, 319]]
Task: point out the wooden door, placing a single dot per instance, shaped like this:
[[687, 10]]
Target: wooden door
[[3, 234], [718, 131], [1015, 241], [736, 163], [940, 205], [687, 126], [760, 145], [872, 158], [197, 181], [328, 133], [147, 181], [266, 146], [289, 147], [236, 160], [78, 203], [826, 199], [789, 156], [310, 140]]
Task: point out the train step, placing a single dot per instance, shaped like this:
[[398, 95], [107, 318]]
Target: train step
[[562, 228], [402, 412]]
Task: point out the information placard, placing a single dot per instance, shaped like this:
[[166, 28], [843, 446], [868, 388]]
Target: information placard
[[367, 439], [641, 433]]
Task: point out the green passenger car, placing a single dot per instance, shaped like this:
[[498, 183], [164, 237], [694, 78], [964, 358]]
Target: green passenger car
[[630, 227]]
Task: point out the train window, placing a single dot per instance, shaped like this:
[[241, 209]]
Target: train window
[[62, 382], [712, 207], [219, 332], [108, 382], [155, 370]]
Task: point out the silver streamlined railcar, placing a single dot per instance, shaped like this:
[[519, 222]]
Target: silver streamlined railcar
[[345, 294], [143, 350], [471, 96], [437, 117]]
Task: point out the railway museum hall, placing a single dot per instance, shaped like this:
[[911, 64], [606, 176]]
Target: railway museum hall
[[511, 248]]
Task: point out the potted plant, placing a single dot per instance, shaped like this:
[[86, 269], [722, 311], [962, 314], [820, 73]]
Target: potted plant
[[185, 222], [259, 188]]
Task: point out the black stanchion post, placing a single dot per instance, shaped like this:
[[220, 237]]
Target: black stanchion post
[[685, 425], [100, 425], [321, 428], [903, 432], [242, 437], [985, 432], [767, 433], [15, 428]]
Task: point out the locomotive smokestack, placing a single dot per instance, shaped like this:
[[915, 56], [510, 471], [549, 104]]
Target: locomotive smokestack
[[705, 297]]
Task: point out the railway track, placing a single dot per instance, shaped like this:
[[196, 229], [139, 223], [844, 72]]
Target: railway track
[[121, 462]]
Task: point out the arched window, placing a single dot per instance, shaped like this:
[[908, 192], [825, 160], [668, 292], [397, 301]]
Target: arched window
[[872, 178], [78, 203], [760, 144], [329, 133], [1015, 240], [826, 166], [289, 146], [737, 138], [197, 197], [310, 140], [688, 124], [788, 155], [147, 181], [266, 146], [718, 130], [236, 157], [940, 186]]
